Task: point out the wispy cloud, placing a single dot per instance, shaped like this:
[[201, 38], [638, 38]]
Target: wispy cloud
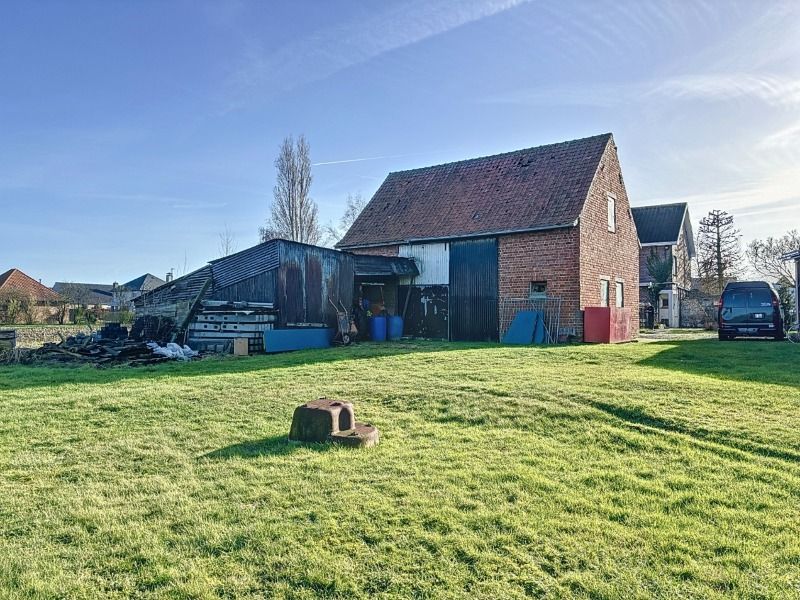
[[772, 89], [324, 53], [788, 137], [775, 90], [354, 160]]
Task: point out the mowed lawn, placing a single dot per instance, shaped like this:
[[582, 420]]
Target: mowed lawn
[[664, 469]]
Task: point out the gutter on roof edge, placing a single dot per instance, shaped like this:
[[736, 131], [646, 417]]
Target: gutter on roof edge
[[460, 237]]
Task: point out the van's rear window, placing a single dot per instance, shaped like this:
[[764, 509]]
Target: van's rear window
[[760, 299], [735, 299], [747, 298]]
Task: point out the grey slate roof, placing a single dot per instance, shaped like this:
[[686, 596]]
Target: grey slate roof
[[144, 283], [91, 293], [535, 188], [662, 224]]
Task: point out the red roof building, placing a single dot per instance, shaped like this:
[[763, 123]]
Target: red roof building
[[497, 231], [16, 281]]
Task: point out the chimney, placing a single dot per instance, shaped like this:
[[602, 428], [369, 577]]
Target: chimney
[[169, 276]]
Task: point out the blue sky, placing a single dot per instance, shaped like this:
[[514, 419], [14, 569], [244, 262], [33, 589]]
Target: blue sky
[[131, 134]]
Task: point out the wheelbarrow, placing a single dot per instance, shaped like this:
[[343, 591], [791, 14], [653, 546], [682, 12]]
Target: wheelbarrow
[[343, 324]]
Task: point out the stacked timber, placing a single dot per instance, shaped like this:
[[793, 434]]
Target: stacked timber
[[218, 323], [88, 349]]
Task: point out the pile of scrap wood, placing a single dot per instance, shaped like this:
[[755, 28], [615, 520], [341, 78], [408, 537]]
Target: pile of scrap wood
[[87, 349]]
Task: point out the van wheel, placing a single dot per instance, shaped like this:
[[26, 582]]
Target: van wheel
[[725, 338], [779, 337]]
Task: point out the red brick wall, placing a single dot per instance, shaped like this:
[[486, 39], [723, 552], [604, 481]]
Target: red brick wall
[[613, 255], [391, 250], [550, 256]]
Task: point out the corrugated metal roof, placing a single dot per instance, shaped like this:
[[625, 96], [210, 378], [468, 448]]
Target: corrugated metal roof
[[383, 266], [247, 263], [182, 288]]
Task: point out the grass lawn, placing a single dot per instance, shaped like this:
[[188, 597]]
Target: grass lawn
[[668, 469]]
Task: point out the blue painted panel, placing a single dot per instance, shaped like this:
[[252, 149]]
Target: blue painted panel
[[284, 340], [521, 329]]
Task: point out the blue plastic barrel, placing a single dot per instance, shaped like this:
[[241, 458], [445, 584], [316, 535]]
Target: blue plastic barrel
[[395, 328], [377, 329]]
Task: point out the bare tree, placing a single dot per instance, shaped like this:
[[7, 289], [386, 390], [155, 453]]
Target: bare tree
[[354, 204], [73, 295], [765, 256], [719, 251], [293, 212], [227, 242]]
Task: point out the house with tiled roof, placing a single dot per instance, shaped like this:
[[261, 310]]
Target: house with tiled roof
[[29, 297], [551, 221], [108, 296], [666, 237], [15, 281]]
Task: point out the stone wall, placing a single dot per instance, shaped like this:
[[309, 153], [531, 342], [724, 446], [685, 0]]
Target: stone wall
[[33, 336]]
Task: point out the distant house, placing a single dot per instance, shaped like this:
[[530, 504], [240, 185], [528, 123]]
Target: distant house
[[665, 231], [108, 296], [546, 222], [16, 281], [90, 295], [125, 294], [19, 289]]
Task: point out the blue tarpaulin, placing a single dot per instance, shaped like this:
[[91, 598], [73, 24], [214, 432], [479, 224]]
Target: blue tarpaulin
[[526, 328]]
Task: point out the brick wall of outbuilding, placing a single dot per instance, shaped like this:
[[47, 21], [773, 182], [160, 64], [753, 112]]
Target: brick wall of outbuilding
[[606, 254], [549, 256]]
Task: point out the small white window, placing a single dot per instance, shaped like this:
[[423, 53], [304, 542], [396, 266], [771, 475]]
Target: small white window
[[612, 213], [620, 294], [604, 292]]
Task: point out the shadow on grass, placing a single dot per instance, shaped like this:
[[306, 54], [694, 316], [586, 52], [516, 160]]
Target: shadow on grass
[[19, 377], [637, 417], [278, 445], [758, 361]]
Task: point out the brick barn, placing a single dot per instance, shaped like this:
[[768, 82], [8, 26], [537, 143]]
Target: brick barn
[[549, 221]]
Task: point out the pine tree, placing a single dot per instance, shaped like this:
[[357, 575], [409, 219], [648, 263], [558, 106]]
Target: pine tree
[[719, 251]]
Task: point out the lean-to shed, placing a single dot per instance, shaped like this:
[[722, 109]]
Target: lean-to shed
[[298, 284]]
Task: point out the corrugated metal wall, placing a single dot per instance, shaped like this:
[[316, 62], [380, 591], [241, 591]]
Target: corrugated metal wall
[[259, 288], [307, 278], [473, 290], [432, 260]]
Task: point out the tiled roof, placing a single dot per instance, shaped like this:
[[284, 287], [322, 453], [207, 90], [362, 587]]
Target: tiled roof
[[535, 188], [16, 280]]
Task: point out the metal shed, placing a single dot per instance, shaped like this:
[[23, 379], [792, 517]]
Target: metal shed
[[278, 284]]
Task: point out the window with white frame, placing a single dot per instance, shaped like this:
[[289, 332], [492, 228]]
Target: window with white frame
[[620, 294], [612, 213], [604, 292]]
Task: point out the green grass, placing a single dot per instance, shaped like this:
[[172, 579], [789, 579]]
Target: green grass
[[667, 469]]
